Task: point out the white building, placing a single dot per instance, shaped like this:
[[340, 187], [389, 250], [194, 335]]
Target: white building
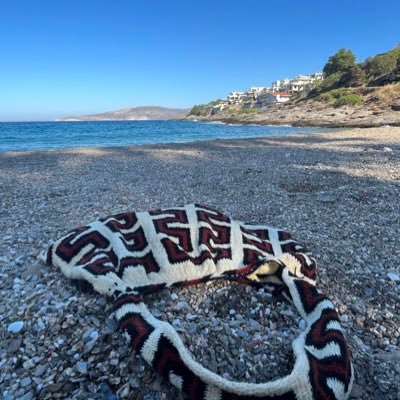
[[281, 85], [278, 97], [258, 89], [298, 84], [219, 107], [239, 97]]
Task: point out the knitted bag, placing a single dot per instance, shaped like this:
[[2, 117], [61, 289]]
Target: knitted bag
[[129, 254]]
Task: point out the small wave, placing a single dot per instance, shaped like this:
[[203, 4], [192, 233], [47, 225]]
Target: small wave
[[215, 123]]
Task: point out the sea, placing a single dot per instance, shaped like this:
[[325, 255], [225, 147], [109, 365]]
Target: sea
[[22, 136]]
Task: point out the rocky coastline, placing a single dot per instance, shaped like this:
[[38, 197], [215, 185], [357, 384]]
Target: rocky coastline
[[379, 106], [307, 113], [311, 116]]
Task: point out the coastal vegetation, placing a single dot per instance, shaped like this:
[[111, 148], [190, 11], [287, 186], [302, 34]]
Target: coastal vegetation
[[341, 71], [247, 111]]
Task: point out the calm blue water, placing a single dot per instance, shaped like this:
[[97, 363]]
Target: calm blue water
[[59, 135]]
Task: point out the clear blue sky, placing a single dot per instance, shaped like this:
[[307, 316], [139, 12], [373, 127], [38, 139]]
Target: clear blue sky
[[69, 57]]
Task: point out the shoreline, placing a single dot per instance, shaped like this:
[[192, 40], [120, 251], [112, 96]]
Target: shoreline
[[337, 192]]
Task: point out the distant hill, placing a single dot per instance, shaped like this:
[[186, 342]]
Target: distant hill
[[132, 114]]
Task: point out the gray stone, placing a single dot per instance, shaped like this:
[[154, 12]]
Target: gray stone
[[27, 396], [393, 277], [40, 370], [254, 324], [368, 291], [25, 382], [81, 367], [192, 328], [15, 327]]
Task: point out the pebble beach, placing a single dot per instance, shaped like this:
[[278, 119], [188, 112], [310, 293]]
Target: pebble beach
[[336, 191]]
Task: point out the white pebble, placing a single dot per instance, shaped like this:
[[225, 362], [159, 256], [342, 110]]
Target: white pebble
[[302, 325], [94, 335], [344, 318], [394, 277], [15, 327]]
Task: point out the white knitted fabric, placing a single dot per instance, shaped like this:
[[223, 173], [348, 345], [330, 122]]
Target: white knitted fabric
[[131, 253]]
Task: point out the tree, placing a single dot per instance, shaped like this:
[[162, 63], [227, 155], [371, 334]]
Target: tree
[[382, 64], [340, 62], [353, 76]]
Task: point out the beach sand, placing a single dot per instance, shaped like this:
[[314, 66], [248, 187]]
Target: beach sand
[[338, 192]]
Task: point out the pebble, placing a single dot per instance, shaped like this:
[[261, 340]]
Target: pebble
[[106, 392], [25, 382], [393, 277], [40, 370], [27, 396], [302, 325], [15, 327], [368, 291], [81, 367], [344, 318]]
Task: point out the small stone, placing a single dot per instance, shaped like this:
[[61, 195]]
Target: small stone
[[344, 318], [40, 370], [25, 382], [174, 296], [15, 327], [106, 393], [393, 277], [14, 346], [357, 391], [232, 312], [81, 367], [89, 346], [28, 364], [368, 291], [94, 335], [192, 328], [302, 324], [134, 383], [26, 396], [254, 324]]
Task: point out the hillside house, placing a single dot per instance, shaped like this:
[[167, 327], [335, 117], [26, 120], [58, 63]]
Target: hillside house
[[278, 97], [280, 85], [239, 97]]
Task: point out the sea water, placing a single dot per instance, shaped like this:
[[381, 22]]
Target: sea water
[[16, 136]]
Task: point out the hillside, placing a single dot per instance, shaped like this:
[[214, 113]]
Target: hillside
[[132, 114], [365, 95]]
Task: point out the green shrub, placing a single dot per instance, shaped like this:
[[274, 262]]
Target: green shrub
[[329, 83], [350, 99], [381, 64], [332, 95], [247, 111], [199, 110], [353, 77]]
